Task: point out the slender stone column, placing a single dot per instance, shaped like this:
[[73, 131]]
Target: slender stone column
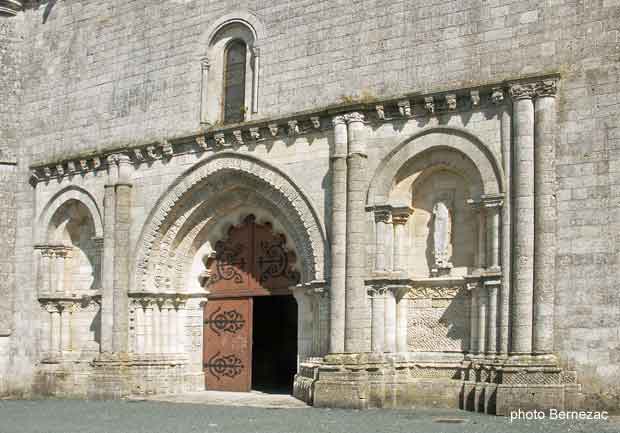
[[164, 329], [357, 319], [545, 216], [255, 78], [122, 226], [390, 321], [156, 328], [483, 301], [338, 237], [482, 248], [45, 270], [506, 226], [522, 311], [378, 319], [59, 262], [172, 329], [55, 330], [140, 328], [400, 215], [473, 319], [382, 226], [107, 265], [492, 289], [204, 93], [181, 313], [402, 312], [149, 346], [65, 326], [493, 208]]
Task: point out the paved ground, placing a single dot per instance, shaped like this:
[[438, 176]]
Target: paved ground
[[67, 416], [220, 398]]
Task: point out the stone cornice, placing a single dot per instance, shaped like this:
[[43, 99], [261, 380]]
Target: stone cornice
[[375, 111]]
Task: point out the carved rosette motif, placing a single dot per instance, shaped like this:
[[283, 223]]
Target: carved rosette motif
[[522, 91]]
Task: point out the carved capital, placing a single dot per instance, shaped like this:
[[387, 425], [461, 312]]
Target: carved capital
[[400, 214], [60, 169], [546, 88], [316, 122], [377, 291], [220, 140], [522, 91], [204, 63], [338, 120], [166, 149], [354, 117], [383, 214], [201, 141]]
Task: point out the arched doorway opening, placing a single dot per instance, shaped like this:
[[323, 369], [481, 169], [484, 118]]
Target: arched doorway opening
[[250, 326]]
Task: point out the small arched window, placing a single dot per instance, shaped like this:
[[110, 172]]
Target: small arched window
[[234, 82]]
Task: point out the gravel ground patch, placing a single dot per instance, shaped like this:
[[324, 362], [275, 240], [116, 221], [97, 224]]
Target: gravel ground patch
[[73, 416]]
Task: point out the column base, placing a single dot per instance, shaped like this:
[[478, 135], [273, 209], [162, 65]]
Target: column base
[[489, 385]]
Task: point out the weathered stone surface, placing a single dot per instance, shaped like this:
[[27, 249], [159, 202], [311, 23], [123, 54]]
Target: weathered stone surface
[[442, 86]]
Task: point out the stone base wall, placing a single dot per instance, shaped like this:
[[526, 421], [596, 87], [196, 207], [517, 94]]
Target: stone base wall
[[489, 386], [117, 377]]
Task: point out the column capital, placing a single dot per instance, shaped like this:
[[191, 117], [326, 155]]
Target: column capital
[[354, 117], [520, 91], [339, 120], [383, 213], [400, 214], [492, 201], [546, 88], [205, 63]]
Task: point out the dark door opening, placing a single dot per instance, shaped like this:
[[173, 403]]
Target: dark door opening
[[274, 344]]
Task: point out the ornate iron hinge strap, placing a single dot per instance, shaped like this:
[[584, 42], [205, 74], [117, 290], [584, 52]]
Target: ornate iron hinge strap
[[226, 321], [224, 366]]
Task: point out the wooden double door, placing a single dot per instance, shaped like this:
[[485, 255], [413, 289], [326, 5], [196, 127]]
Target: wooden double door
[[251, 262]]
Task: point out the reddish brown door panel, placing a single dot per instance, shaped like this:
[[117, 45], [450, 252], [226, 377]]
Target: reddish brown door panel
[[228, 344], [251, 261]]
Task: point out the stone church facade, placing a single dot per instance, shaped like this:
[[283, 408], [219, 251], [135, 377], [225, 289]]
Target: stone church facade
[[375, 204]]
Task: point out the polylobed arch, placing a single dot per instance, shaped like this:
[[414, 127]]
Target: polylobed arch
[[62, 198], [424, 150], [198, 192]]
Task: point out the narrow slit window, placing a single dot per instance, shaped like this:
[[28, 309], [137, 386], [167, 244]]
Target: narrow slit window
[[234, 82]]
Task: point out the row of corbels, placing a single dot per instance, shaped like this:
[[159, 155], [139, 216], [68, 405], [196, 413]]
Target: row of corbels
[[162, 150], [239, 137], [434, 104]]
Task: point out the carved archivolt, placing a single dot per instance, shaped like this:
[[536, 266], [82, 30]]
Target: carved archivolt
[[191, 200]]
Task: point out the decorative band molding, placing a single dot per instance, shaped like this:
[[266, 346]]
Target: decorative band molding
[[219, 138]]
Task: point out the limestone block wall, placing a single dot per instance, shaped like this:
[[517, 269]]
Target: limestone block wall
[[105, 74]]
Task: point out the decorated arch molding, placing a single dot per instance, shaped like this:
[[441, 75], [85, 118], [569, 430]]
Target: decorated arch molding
[[242, 17], [436, 138], [191, 205], [60, 199]]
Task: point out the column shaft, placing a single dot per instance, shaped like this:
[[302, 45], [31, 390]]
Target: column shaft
[[181, 329], [337, 311], [164, 328], [402, 312], [378, 321], [492, 319], [140, 329], [545, 219], [390, 322], [121, 265], [482, 249], [156, 329], [482, 319], [107, 270], [473, 321], [55, 332], [357, 318], [524, 220], [506, 226], [204, 94], [148, 329], [65, 325]]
